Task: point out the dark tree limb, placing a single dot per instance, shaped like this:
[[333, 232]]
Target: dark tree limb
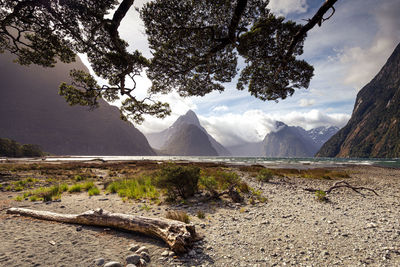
[[344, 184], [317, 19], [178, 235]]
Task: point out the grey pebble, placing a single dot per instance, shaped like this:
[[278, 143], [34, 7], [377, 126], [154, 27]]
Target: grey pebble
[[145, 256], [99, 261], [134, 259], [113, 264], [133, 247]]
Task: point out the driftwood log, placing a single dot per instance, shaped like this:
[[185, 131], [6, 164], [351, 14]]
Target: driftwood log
[[178, 235], [344, 184]]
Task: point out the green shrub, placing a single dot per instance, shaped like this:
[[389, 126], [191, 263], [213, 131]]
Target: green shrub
[[264, 175], [79, 178], [200, 214], [94, 191], [178, 181], [208, 182], [134, 188], [321, 195]]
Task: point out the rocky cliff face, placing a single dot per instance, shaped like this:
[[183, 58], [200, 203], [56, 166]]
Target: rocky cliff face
[[189, 141], [374, 127], [163, 140], [288, 141], [31, 111]]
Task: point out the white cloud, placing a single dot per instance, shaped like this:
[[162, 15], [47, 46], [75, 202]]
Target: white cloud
[[364, 62], [306, 102], [252, 126], [220, 108], [285, 7], [179, 106]]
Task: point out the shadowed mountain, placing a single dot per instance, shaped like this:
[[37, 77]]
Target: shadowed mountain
[[190, 140], [286, 141], [31, 111], [374, 127], [162, 140]]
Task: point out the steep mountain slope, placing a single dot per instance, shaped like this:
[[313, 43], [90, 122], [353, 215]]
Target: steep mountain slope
[[161, 139], [374, 127], [31, 111], [190, 140], [288, 141], [322, 134]]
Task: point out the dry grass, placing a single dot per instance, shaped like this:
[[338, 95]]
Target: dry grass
[[178, 216]]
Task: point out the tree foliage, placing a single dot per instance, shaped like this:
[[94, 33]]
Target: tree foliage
[[10, 148], [195, 45]]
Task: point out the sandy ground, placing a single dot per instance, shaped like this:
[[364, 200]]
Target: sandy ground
[[292, 228]]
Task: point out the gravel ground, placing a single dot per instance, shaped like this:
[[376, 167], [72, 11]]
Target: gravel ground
[[292, 228]]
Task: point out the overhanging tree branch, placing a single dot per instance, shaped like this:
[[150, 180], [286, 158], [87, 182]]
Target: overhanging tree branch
[[317, 19]]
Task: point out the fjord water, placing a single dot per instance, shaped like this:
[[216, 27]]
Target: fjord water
[[269, 162]]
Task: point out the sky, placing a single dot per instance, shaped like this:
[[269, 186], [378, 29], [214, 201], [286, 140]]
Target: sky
[[347, 51]]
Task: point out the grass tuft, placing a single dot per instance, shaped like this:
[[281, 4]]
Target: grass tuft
[[178, 216], [134, 188], [94, 191]]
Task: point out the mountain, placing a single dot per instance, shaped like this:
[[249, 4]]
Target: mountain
[[374, 127], [322, 134], [163, 140], [190, 140], [32, 112], [286, 141]]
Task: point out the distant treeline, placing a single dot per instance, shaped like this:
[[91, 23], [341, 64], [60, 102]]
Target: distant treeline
[[12, 149]]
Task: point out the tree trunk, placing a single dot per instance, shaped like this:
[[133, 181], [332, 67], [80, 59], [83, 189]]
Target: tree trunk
[[178, 235]]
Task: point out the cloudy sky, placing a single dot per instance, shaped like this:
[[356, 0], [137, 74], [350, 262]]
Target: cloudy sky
[[346, 52]]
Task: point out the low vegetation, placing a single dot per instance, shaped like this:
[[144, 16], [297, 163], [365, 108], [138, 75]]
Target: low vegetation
[[178, 181], [178, 216], [135, 188], [321, 196], [138, 180]]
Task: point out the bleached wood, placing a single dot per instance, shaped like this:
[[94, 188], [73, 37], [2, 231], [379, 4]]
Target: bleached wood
[[178, 235]]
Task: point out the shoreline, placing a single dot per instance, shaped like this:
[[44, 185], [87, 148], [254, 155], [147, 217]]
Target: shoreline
[[292, 228]]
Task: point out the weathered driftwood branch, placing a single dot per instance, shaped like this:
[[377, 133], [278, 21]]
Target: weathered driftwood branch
[[344, 184], [179, 236]]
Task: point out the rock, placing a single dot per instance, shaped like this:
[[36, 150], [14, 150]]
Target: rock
[[145, 256], [133, 247], [133, 259], [79, 228], [142, 249], [171, 254], [165, 253], [113, 264], [142, 262], [99, 262], [131, 265], [192, 253]]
